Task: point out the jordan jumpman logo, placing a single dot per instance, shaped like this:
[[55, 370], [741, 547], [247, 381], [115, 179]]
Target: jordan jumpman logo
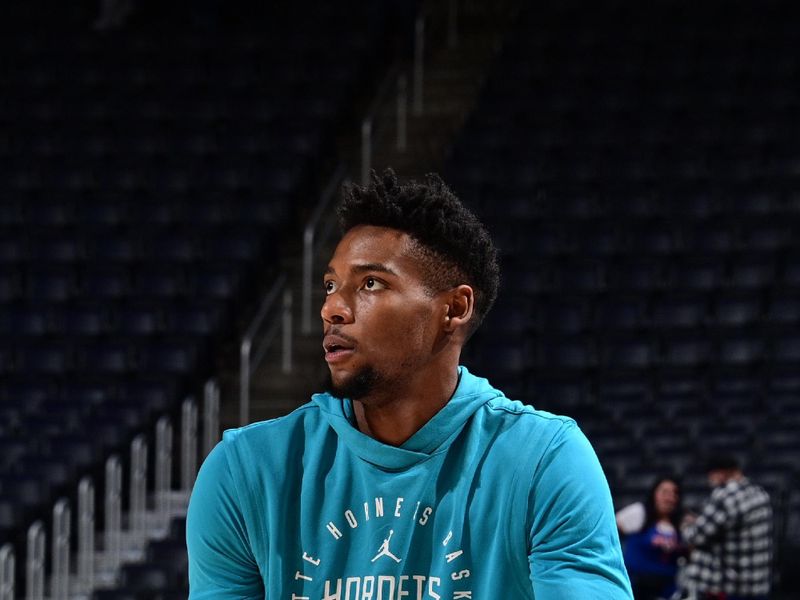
[[384, 549]]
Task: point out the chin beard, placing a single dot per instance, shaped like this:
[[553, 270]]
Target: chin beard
[[356, 387]]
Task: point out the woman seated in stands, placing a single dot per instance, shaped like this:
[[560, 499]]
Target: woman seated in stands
[[652, 543]]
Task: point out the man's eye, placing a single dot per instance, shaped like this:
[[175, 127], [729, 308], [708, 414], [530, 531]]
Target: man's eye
[[330, 287], [370, 283]]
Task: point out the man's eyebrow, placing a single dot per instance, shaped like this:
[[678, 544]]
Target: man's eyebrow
[[364, 267], [380, 268]]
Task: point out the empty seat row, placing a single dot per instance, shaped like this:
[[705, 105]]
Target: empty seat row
[[158, 279], [569, 312], [63, 356]]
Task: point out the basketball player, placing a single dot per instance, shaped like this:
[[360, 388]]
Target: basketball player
[[411, 478]]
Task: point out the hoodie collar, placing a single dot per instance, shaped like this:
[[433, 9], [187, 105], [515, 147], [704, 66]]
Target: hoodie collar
[[433, 437]]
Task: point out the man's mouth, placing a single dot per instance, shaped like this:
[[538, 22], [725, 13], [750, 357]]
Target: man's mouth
[[337, 348]]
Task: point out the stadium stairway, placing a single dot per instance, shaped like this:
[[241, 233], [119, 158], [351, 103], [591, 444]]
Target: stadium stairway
[[454, 74]]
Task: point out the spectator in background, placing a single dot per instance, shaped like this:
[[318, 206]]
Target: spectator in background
[[731, 538], [652, 543]]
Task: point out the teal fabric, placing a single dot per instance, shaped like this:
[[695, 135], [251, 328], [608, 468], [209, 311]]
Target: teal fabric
[[490, 499]]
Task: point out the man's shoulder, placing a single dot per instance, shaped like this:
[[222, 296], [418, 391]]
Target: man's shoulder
[[301, 421], [527, 415]]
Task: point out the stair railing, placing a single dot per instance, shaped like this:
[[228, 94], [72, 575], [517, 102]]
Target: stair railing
[[255, 343]]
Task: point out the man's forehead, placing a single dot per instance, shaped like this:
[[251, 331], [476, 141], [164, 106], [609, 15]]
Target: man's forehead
[[372, 245]]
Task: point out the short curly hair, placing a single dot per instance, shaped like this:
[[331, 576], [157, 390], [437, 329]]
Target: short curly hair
[[453, 246]]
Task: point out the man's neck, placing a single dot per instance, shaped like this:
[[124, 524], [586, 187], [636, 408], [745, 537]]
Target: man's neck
[[392, 417]]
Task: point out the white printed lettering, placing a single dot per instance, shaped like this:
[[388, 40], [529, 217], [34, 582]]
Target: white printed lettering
[[420, 579], [460, 575], [334, 530], [431, 593], [425, 514], [299, 575], [351, 519], [366, 511], [385, 579], [457, 595], [296, 597], [400, 590], [308, 558], [333, 596], [369, 588], [397, 507], [416, 510], [447, 539], [454, 555], [378, 507], [348, 582]]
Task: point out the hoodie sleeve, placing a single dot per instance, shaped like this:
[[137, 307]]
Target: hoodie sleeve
[[221, 562], [574, 549]]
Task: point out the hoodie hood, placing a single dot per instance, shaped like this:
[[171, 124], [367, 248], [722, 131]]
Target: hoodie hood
[[435, 436]]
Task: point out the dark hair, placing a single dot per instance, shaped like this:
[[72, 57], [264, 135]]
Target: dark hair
[[721, 462], [650, 515], [453, 245]]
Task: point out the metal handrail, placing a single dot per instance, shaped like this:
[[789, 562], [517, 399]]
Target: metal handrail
[[250, 356], [309, 237], [433, 20], [7, 572], [34, 563]]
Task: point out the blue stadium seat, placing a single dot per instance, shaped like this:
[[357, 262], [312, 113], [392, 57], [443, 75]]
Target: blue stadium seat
[[687, 350], [148, 577], [741, 350], [770, 236], [218, 280], [153, 280], [784, 309], [574, 352], [737, 310], [683, 310], [50, 283], [84, 319], [563, 315], [56, 247], [113, 247], [138, 318], [697, 272], [635, 274], [753, 272], [10, 286], [791, 271], [29, 321], [509, 317], [108, 356], [177, 356], [627, 352], [621, 312], [710, 238], [103, 282], [51, 357], [786, 349], [580, 275]]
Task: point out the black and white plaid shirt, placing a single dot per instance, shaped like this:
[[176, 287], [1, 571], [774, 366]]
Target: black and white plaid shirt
[[732, 542]]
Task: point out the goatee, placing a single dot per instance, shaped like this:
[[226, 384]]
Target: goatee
[[356, 387]]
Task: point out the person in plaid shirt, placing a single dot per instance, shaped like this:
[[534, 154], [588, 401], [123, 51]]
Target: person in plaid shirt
[[731, 538]]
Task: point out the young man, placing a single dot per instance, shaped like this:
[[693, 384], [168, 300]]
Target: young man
[[731, 538], [411, 479]]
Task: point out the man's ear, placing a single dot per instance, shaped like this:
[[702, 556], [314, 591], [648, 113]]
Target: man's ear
[[460, 306]]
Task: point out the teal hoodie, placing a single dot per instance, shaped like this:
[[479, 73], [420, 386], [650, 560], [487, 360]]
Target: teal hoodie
[[491, 499]]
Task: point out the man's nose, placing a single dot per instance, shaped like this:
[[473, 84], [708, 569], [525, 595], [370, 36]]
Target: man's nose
[[336, 309]]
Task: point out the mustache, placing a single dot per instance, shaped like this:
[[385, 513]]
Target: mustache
[[337, 331]]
